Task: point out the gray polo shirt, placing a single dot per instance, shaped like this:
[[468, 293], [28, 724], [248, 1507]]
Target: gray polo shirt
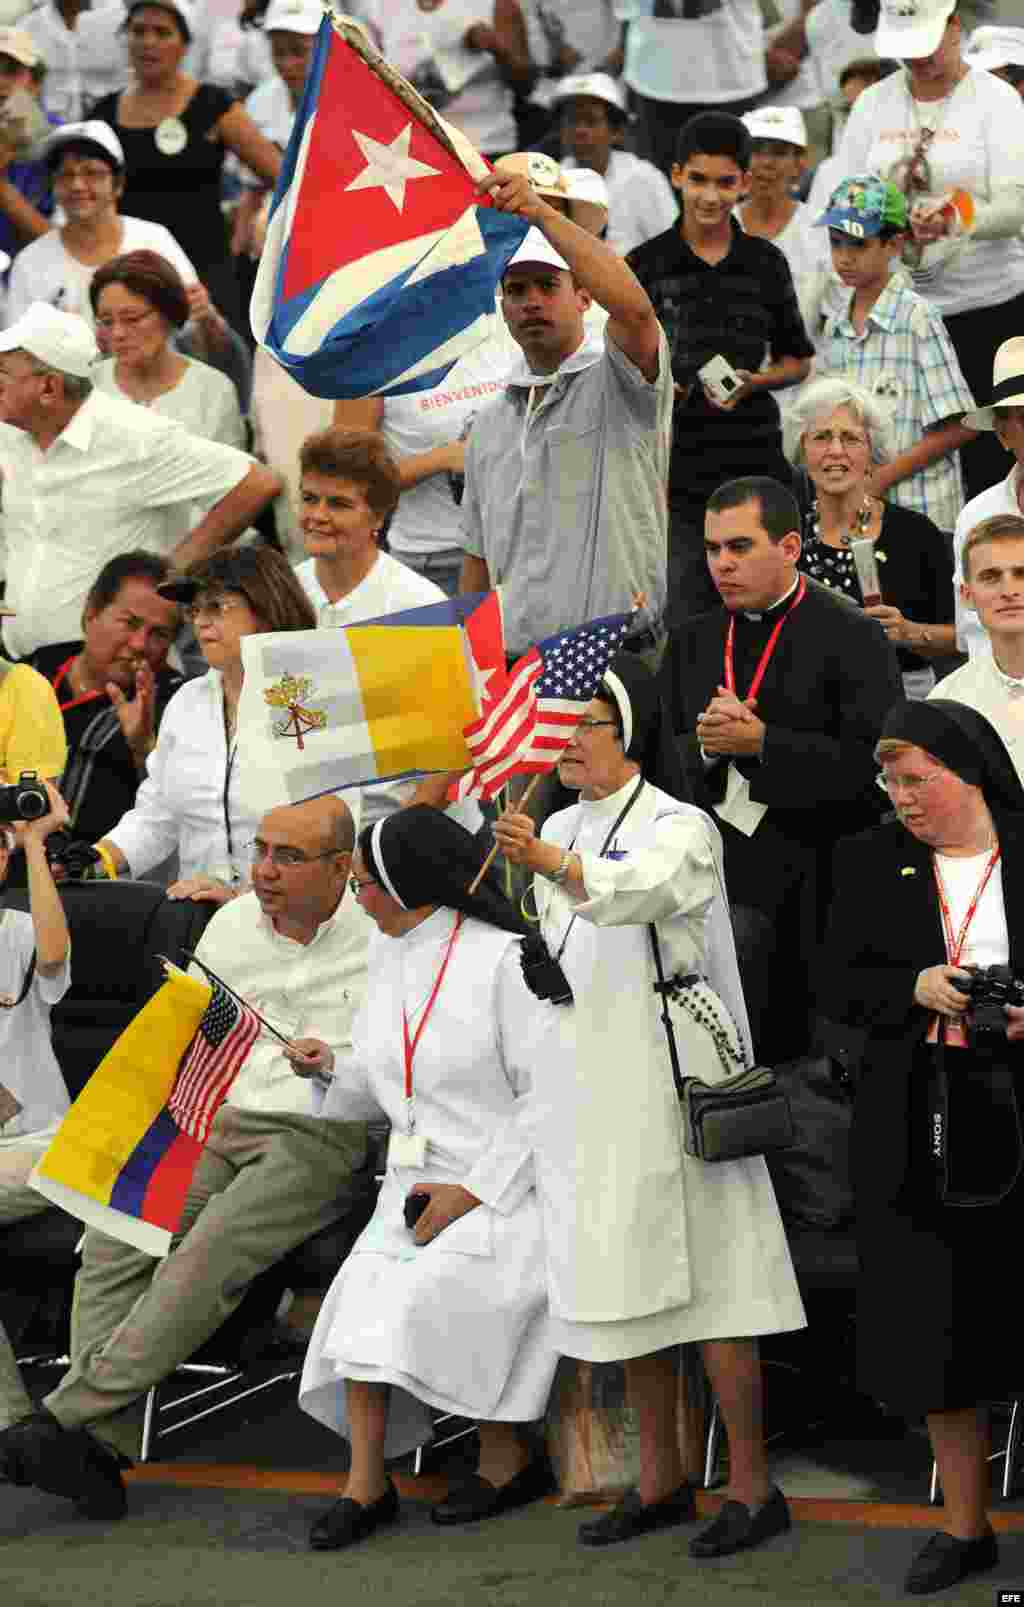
[[565, 492]]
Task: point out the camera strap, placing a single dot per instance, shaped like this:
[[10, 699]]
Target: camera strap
[[620, 817], [953, 1032]]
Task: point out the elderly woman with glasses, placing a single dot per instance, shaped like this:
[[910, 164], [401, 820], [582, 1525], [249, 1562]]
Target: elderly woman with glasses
[[443, 1301], [838, 432], [192, 802], [139, 301], [920, 902]]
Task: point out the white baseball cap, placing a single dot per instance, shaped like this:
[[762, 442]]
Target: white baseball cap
[[777, 122], [995, 47], [19, 45], [293, 16], [59, 339], [909, 28], [598, 86], [537, 248], [91, 132], [181, 8]]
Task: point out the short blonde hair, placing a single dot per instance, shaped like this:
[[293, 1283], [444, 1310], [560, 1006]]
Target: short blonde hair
[[1001, 527]]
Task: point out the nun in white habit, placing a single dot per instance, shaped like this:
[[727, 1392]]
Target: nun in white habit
[[450, 1312], [649, 1248]]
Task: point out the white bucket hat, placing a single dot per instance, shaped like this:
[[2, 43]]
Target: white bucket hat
[[293, 16], [598, 86], [909, 28], [1007, 384]]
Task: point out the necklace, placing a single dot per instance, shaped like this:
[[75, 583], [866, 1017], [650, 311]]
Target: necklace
[[857, 531]]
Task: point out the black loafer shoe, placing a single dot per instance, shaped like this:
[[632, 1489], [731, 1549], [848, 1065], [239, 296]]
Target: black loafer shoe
[[476, 1498], [631, 1517], [946, 1560], [348, 1522], [102, 1495], [65, 1461], [737, 1528]]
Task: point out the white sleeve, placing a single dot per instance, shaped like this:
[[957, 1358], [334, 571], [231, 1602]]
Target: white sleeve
[[150, 831], [852, 154], [177, 467], [224, 420], [503, 1175], [347, 1097], [20, 294], [168, 247], [673, 873]]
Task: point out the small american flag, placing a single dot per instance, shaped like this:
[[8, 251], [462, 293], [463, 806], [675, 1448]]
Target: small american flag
[[529, 719], [216, 1054]]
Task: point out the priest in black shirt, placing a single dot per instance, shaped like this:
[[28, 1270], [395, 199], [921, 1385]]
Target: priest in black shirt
[[779, 694], [718, 293], [113, 691]]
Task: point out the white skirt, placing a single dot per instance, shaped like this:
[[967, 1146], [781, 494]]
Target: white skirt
[[460, 1324]]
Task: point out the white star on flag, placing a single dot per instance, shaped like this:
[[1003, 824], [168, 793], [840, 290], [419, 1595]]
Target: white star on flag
[[389, 167]]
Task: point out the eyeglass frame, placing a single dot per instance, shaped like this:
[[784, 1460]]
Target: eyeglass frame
[[844, 438], [223, 603], [592, 725], [105, 321], [914, 787], [270, 850]]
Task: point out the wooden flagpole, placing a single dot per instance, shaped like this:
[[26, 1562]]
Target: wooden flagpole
[[489, 861]]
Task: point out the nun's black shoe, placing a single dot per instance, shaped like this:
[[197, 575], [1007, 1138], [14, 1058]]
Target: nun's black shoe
[[348, 1522], [945, 1560], [739, 1527], [631, 1517], [476, 1498]]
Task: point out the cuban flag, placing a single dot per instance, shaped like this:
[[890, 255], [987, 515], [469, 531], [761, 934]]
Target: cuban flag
[[381, 259]]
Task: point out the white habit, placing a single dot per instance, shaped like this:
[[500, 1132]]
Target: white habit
[[461, 1323], [647, 1247]]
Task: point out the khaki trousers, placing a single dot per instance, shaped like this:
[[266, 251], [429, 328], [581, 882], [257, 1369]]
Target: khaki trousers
[[17, 1201], [264, 1183]]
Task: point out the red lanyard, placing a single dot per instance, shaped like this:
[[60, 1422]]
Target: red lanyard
[[65, 673], [955, 946], [763, 661], [410, 1045]]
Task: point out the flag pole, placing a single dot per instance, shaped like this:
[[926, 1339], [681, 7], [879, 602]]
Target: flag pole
[[489, 861]]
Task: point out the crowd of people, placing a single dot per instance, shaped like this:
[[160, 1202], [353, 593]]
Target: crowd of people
[[755, 385]]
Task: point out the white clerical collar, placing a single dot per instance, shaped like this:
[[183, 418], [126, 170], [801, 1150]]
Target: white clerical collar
[[778, 602]]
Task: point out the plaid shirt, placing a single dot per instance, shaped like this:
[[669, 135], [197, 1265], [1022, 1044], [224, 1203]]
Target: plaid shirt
[[906, 359]]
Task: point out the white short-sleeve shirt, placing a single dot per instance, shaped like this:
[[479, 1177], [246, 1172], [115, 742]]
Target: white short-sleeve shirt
[[45, 270], [28, 1065]]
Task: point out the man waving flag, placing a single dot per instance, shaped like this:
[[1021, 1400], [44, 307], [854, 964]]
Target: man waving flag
[[381, 259]]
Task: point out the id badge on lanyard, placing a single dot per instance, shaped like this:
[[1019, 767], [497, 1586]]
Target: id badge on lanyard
[[410, 1148]]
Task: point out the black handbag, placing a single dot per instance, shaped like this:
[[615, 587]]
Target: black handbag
[[745, 1114]]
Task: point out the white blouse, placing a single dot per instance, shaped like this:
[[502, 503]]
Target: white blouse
[[193, 798], [988, 940]]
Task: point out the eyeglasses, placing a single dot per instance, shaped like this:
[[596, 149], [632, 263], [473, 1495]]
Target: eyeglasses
[[216, 608], [125, 320], [356, 886], [909, 784], [592, 725], [847, 439], [282, 856]]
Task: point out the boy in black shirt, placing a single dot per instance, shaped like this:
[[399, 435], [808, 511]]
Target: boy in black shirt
[[718, 292]]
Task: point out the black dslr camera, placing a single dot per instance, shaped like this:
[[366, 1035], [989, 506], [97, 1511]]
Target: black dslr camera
[[24, 799], [543, 976], [864, 16], [988, 988]]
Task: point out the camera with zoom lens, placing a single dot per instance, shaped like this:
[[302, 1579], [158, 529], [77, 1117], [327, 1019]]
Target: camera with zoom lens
[[543, 975], [988, 988], [24, 799]]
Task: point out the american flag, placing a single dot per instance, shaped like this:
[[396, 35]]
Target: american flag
[[529, 719], [216, 1054]]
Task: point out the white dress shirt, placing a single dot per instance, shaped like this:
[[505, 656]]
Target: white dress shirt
[[193, 797], [112, 480], [306, 990], [971, 636], [982, 685]]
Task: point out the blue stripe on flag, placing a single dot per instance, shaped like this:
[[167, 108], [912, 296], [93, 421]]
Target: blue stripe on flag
[[136, 1174]]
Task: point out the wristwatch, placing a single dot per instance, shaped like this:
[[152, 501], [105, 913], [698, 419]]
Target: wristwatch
[[561, 871]]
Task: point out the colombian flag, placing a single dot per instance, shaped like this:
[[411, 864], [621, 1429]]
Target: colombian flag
[[381, 700], [119, 1161]]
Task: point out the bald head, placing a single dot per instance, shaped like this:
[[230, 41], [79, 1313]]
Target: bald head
[[300, 864], [325, 825]]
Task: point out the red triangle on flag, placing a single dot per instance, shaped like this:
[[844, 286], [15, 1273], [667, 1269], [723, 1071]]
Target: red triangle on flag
[[335, 224]]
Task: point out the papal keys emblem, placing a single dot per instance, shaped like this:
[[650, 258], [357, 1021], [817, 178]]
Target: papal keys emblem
[[290, 693]]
